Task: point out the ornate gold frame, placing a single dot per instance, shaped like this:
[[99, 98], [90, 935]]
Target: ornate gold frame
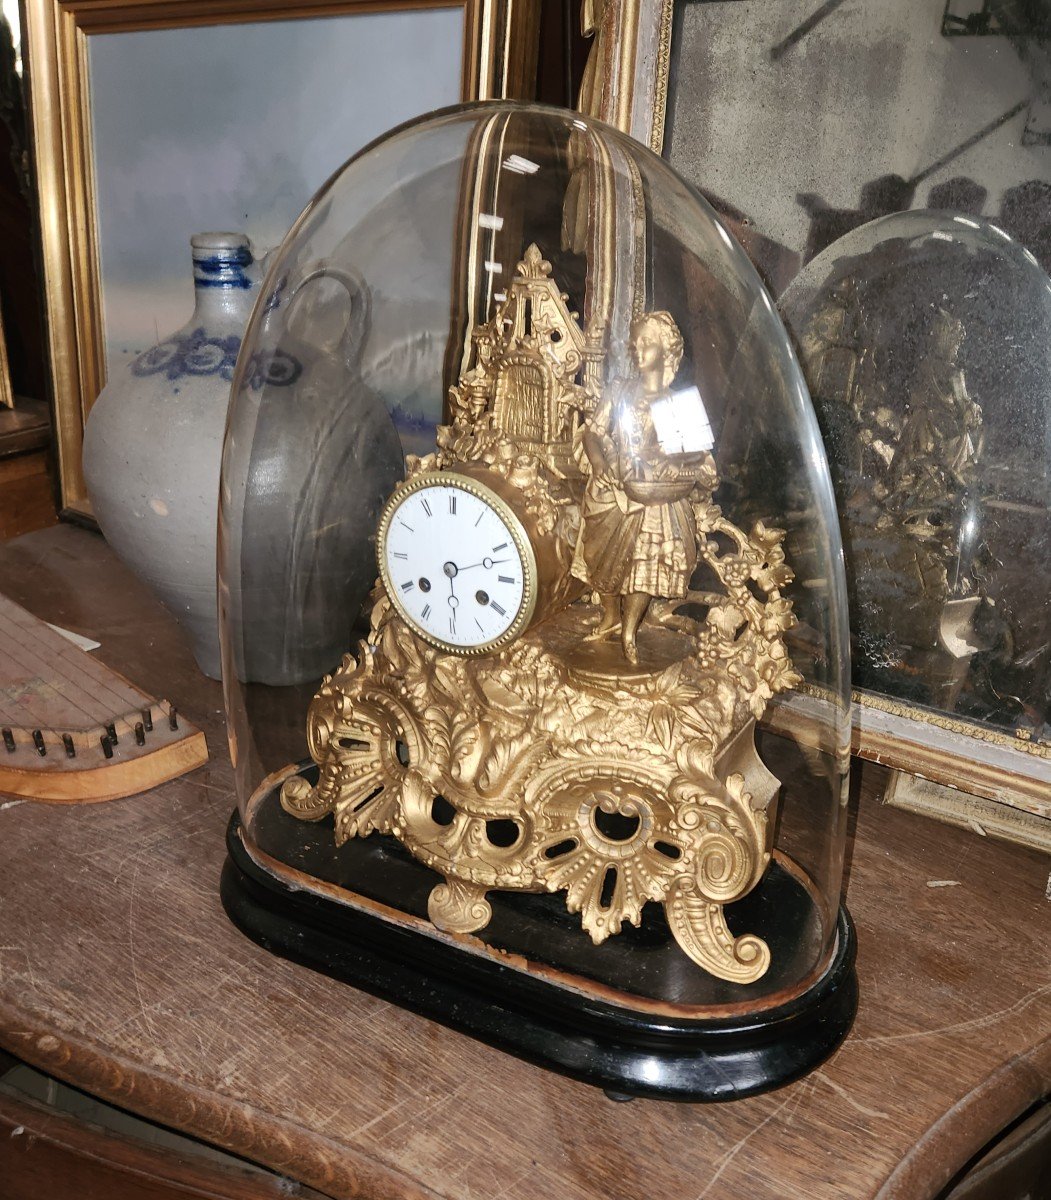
[[633, 56], [499, 60], [632, 53]]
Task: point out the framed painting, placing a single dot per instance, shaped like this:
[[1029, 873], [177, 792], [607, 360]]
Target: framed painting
[[155, 119], [899, 156]]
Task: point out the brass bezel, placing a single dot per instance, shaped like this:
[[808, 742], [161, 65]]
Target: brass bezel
[[507, 515]]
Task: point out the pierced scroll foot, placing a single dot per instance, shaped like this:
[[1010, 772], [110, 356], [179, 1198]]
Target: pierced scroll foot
[[304, 801], [700, 929], [459, 907]]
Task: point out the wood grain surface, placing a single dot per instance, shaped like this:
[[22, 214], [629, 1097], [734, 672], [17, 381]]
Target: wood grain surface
[[120, 974], [26, 500], [48, 1155]]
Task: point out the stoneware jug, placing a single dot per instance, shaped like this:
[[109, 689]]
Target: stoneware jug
[[153, 442], [307, 468]]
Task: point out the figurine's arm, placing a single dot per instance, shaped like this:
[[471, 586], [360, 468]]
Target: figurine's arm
[[962, 396], [599, 450], [598, 445]]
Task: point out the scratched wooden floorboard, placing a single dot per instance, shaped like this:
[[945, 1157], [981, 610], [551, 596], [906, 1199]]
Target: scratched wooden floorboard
[[119, 971]]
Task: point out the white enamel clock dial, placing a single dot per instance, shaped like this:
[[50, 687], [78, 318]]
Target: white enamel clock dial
[[456, 563]]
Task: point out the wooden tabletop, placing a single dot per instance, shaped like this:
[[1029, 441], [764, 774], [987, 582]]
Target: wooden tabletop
[[120, 973]]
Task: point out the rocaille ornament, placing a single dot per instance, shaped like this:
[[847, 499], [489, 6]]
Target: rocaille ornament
[[542, 703]]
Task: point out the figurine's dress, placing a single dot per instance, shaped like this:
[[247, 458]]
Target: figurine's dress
[[626, 546], [937, 444]]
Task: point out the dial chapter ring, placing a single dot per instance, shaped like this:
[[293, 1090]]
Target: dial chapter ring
[[515, 529]]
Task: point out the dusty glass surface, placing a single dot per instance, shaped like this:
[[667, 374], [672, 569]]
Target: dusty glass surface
[[627, 423], [801, 121], [926, 341]]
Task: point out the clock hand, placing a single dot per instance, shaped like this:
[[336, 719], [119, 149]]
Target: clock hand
[[486, 562], [451, 571], [453, 601]]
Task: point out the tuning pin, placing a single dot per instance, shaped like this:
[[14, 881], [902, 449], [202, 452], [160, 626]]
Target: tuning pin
[[9, 740], [38, 741], [111, 733], [173, 719], [140, 734], [71, 750], [107, 746], [147, 720]]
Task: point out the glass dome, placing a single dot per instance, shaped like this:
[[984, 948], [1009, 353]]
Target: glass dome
[[926, 340], [522, 485]]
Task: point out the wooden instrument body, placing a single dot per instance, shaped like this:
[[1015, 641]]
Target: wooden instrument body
[[73, 731]]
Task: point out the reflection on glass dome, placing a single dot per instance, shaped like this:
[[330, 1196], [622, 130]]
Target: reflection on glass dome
[[613, 547], [925, 340]]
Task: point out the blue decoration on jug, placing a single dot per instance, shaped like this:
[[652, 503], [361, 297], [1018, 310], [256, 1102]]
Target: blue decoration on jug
[[198, 354]]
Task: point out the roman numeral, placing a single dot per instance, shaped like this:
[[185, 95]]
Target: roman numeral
[[408, 585], [480, 515], [502, 546], [408, 527], [427, 507], [479, 624], [452, 506], [399, 554], [501, 611], [452, 625], [426, 611], [505, 578]]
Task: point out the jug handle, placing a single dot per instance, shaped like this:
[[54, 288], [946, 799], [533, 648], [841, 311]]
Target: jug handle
[[359, 322]]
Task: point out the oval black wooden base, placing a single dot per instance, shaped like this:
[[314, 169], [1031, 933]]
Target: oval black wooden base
[[628, 1053]]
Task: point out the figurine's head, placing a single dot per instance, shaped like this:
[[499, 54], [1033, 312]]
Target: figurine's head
[[845, 291], [948, 333], [656, 340]]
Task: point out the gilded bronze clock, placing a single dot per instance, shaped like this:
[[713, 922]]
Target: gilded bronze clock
[[531, 665], [576, 783]]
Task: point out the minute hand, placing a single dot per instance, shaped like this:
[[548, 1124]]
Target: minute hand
[[486, 562]]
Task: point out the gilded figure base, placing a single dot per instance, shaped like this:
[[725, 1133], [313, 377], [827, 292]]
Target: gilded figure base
[[615, 783]]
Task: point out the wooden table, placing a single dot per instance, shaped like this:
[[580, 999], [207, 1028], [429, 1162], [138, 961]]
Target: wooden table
[[120, 973]]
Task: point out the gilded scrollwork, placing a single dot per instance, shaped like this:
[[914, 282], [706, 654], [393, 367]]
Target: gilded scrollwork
[[700, 929], [581, 759]]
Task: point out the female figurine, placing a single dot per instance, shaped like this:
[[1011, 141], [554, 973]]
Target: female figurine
[[638, 536]]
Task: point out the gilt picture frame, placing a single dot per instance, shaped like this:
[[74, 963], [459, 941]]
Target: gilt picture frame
[[490, 53]]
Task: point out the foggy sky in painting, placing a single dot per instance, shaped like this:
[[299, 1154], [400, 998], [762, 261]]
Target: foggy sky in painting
[[236, 127]]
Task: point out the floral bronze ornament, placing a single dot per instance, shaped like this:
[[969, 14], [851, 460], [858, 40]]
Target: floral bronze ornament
[[597, 740]]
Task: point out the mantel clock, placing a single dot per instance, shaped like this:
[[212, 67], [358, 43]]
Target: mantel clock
[[538, 766], [533, 708]]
